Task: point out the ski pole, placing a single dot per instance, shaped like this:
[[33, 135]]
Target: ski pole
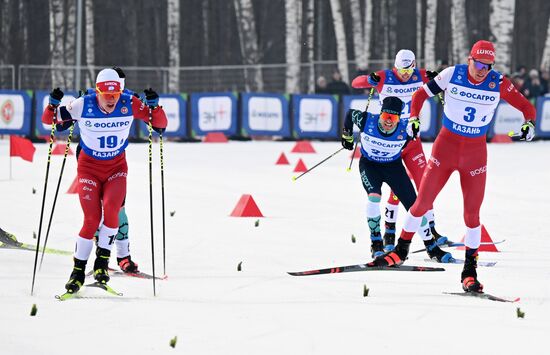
[[356, 143], [163, 213], [67, 147], [294, 178], [151, 194], [52, 132]]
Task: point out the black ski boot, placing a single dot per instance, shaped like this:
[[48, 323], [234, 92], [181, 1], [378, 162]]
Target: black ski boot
[[469, 276], [439, 239], [376, 246], [126, 264], [389, 236], [435, 253], [101, 265], [395, 257], [76, 280]]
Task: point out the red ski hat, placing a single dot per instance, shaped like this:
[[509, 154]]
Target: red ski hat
[[483, 50]]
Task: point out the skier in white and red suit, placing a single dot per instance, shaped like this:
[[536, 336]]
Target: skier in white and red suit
[[472, 94], [104, 119], [402, 81]]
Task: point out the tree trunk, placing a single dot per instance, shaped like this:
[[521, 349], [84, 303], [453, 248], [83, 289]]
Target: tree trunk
[[310, 22], [205, 13], [545, 60], [56, 42], [429, 42], [458, 31], [359, 37], [392, 28], [173, 28], [249, 44], [69, 45], [367, 29], [292, 40], [341, 51], [90, 43], [501, 22], [6, 42], [419, 51]]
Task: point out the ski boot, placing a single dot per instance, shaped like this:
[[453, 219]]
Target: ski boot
[[439, 239], [76, 280], [469, 276], [435, 253], [376, 246], [395, 257], [126, 264], [8, 239], [389, 237], [101, 265]]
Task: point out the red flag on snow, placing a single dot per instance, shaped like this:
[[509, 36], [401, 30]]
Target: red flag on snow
[[21, 147]]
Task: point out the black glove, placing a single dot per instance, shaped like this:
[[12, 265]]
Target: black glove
[[373, 79], [528, 131], [347, 139], [151, 98], [55, 97], [431, 74], [119, 72]]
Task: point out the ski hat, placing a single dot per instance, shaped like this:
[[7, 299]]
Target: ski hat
[[108, 81], [483, 50], [392, 104], [404, 59]]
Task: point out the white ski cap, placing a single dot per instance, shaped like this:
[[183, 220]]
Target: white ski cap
[[108, 81], [404, 59]]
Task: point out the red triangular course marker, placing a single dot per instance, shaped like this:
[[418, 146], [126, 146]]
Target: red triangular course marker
[[282, 160], [59, 149], [74, 187], [300, 167], [215, 137], [246, 207], [303, 147], [501, 138], [485, 238], [357, 153]]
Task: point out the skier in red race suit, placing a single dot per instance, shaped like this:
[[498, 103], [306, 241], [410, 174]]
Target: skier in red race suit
[[402, 81], [104, 119], [472, 93]]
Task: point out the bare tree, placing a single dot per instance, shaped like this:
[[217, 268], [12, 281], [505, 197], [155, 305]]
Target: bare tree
[[419, 15], [367, 28], [458, 33], [429, 42], [310, 21], [6, 43], [358, 34], [545, 60], [69, 43], [392, 28], [56, 41], [341, 51], [501, 22], [249, 43], [293, 25], [205, 14], [90, 43], [173, 44]]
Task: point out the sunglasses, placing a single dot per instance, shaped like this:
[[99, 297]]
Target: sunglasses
[[108, 93], [405, 70], [389, 116], [481, 66]]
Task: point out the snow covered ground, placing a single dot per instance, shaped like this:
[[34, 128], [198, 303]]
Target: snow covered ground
[[214, 309]]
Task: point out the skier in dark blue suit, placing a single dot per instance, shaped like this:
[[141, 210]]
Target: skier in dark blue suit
[[383, 137]]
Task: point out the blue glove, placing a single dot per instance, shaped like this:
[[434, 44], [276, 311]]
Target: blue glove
[[55, 97], [151, 98]]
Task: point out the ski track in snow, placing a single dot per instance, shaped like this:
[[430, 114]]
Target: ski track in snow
[[214, 309]]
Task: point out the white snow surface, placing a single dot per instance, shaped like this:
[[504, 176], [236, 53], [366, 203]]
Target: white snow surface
[[214, 309]]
